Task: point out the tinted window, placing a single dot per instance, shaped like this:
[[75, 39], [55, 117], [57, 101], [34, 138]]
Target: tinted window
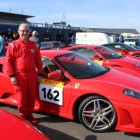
[[111, 46], [84, 51], [108, 53], [80, 67]]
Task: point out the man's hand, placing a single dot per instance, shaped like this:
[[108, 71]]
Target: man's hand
[[13, 80], [39, 78]]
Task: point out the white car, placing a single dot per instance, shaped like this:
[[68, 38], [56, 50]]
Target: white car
[[129, 41]]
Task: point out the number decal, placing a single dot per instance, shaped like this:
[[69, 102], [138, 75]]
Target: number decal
[[49, 95], [51, 91], [57, 95], [44, 91]]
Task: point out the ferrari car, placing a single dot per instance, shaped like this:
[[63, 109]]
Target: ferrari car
[[107, 57], [124, 49], [13, 127], [75, 87]]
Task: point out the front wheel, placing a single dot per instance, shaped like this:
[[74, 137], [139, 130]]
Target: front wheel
[[97, 114]]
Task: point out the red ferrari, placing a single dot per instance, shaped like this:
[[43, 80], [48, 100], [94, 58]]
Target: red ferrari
[[107, 57], [124, 49], [74, 86], [13, 127]]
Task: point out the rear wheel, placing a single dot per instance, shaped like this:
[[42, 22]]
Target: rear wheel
[[97, 114]]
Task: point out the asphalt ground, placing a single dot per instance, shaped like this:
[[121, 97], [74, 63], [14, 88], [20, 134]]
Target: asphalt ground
[[57, 128]]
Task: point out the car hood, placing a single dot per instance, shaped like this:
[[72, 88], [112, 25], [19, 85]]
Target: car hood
[[125, 62], [16, 128], [112, 84], [120, 77], [136, 51], [130, 60], [132, 52]]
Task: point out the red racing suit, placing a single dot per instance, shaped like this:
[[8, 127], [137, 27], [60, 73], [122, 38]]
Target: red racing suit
[[23, 61]]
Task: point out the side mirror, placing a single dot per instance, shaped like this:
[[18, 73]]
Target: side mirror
[[55, 75], [96, 57], [123, 52]]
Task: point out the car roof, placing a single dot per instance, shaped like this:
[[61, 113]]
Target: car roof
[[113, 43], [82, 46], [52, 53]]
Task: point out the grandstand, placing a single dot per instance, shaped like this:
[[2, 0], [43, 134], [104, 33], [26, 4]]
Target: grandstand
[[9, 23]]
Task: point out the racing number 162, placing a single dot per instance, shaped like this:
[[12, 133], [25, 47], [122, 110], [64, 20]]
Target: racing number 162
[[50, 95]]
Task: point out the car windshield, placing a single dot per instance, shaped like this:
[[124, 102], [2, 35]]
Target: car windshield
[[46, 45], [52, 44], [134, 47], [130, 47], [107, 53], [80, 67]]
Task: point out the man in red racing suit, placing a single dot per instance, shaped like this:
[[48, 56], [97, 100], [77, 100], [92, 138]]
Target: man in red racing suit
[[24, 67]]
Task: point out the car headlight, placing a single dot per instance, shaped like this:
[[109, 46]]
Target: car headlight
[[131, 93]]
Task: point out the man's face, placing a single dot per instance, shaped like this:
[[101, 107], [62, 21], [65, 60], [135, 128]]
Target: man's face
[[24, 31]]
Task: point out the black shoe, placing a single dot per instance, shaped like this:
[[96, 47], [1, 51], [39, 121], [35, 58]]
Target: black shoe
[[32, 119]]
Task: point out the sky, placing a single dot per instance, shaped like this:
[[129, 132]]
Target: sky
[[123, 14]]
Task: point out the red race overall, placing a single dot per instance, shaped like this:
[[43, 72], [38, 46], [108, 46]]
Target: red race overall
[[24, 62]]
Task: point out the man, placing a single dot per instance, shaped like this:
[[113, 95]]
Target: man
[[34, 38], [2, 45], [14, 36], [121, 39], [24, 67]]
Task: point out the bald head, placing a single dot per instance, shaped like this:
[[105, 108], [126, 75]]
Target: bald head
[[34, 33], [24, 26], [24, 31]]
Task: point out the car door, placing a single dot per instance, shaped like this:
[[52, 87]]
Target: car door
[[54, 94]]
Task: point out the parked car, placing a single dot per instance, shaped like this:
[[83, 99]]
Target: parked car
[[13, 127], [124, 49], [134, 46], [130, 41], [51, 45], [107, 57], [74, 86]]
